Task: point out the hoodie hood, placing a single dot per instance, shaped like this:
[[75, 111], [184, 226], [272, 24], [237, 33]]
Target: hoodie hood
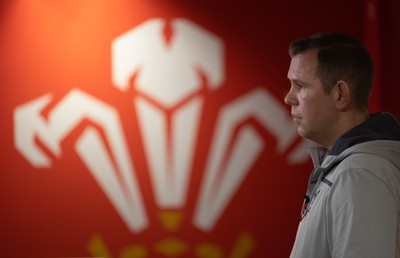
[[379, 126]]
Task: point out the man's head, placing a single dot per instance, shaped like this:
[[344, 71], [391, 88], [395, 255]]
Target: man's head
[[340, 57], [331, 79]]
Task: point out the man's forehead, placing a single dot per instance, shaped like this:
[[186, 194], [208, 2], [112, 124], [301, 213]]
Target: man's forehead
[[303, 63]]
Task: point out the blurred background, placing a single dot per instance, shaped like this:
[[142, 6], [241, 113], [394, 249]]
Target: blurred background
[[154, 128]]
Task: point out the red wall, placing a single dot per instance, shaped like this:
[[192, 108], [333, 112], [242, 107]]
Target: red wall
[[390, 27], [55, 47]]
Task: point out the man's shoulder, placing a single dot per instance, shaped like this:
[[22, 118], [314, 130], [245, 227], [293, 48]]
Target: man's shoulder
[[363, 155], [366, 170]]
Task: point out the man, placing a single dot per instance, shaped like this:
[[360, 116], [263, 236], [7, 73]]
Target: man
[[352, 205]]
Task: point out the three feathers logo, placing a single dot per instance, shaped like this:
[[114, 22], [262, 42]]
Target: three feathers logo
[[169, 77]]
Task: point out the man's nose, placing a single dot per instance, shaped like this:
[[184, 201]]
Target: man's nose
[[290, 99]]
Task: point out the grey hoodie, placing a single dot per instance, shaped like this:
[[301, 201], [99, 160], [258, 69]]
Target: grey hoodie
[[352, 205]]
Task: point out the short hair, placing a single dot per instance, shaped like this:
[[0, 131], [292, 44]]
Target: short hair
[[340, 57]]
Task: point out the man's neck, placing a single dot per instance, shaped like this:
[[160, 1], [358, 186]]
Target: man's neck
[[347, 122]]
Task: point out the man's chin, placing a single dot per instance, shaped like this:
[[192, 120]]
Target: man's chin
[[301, 132]]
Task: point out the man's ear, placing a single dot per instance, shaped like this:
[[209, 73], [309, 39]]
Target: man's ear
[[342, 95]]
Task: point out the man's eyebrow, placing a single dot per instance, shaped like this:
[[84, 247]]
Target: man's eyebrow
[[297, 81]]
